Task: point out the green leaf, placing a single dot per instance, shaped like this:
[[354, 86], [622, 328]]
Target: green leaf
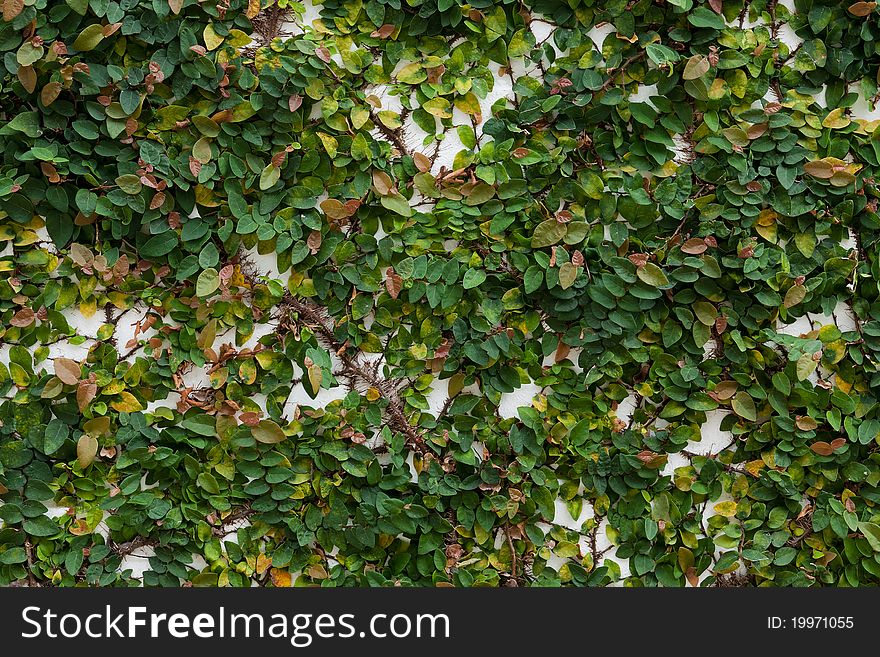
[[473, 278], [270, 175], [696, 67], [41, 526], [397, 204], [89, 38], [548, 233], [268, 432], [159, 245], [56, 433], [26, 122], [208, 283], [872, 534], [13, 555], [744, 406], [652, 275], [567, 275]]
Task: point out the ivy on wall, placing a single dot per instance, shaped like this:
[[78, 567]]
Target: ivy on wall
[[603, 242]]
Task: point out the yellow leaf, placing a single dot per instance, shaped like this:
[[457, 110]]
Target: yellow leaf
[[253, 8], [86, 450], [127, 403], [212, 39], [726, 509], [836, 119], [88, 307], [280, 578]]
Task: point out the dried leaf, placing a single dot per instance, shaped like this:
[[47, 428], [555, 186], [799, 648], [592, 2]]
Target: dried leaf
[[69, 371]]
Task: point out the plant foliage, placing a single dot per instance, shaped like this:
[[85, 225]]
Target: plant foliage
[[637, 221]]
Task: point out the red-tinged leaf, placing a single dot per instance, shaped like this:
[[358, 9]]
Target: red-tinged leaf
[[157, 200], [716, 5], [383, 32], [323, 54], [175, 6], [194, 166], [294, 102], [250, 418], [837, 443], [638, 259]]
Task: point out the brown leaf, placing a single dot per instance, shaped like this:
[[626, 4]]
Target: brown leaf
[[725, 389], [382, 183], [822, 448], [314, 241], [691, 575], [435, 73], [383, 32], [562, 351], [85, 393], [423, 164], [294, 102], [720, 324], [393, 283], [694, 246], [24, 317], [50, 92], [756, 130], [837, 443], [28, 78], [652, 459], [157, 200], [175, 6], [107, 30], [194, 166], [250, 418], [806, 423], [862, 9], [12, 8], [69, 371]]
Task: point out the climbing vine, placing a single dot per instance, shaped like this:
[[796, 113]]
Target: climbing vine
[[621, 206]]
